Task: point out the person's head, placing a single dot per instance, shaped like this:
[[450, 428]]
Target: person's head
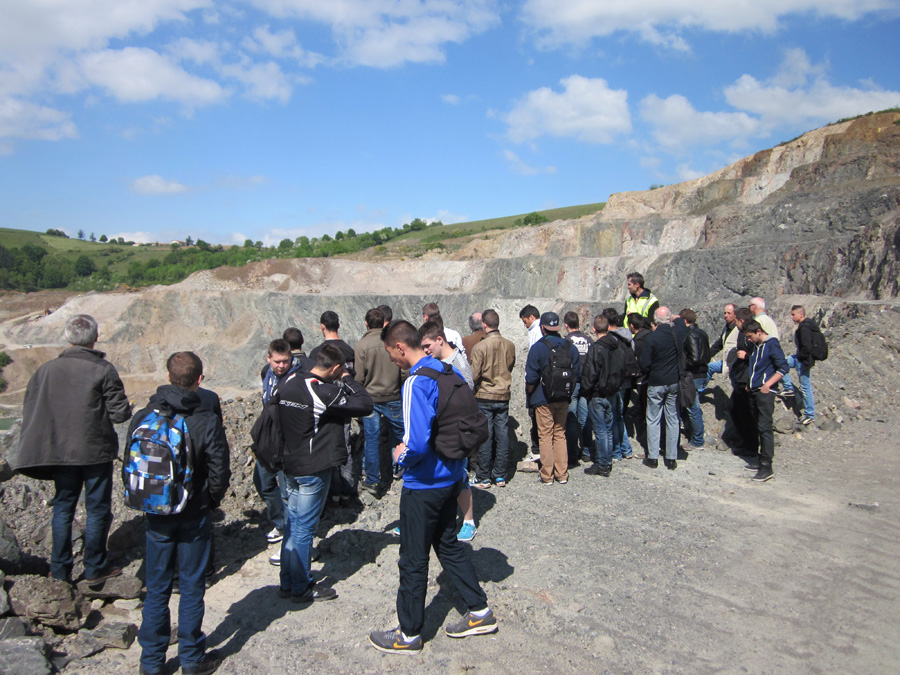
[[612, 315], [550, 323], [374, 319], [279, 357], [572, 321], [754, 332], [529, 314], [329, 363], [294, 338], [490, 320], [185, 369], [729, 314], [662, 315], [636, 322], [741, 316], [601, 325], [430, 311], [635, 284], [401, 340], [689, 316], [475, 322], [329, 321], [433, 341], [798, 313], [81, 330], [758, 306], [387, 313]]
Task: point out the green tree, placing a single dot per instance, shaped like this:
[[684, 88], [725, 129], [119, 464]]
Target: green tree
[[188, 241], [57, 233], [84, 266], [103, 239], [338, 236], [285, 244], [534, 218], [93, 238], [202, 245], [417, 224], [351, 233], [81, 234], [325, 237], [248, 243]]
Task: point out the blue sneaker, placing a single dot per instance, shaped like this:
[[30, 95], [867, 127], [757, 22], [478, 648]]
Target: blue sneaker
[[467, 532], [395, 531]]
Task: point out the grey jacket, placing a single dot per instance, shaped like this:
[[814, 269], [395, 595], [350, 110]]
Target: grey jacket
[[71, 404]]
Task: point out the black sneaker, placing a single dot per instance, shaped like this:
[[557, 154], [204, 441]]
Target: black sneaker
[[393, 642], [599, 470], [315, 594], [373, 489], [652, 463], [211, 661], [671, 464], [472, 625], [764, 474], [806, 420]]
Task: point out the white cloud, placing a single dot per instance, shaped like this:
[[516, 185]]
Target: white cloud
[[586, 110], [676, 124], [451, 99], [281, 45], [263, 81], [24, 120], [137, 237], [157, 185], [561, 22], [518, 165]]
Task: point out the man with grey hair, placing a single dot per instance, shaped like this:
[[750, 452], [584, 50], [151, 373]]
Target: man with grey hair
[[71, 404], [477, 335]]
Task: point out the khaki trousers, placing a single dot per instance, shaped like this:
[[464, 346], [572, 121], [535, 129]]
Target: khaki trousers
[[551, 424]]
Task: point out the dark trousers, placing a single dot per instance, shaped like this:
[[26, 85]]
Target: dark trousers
[[428, 520], [489, 465], [762, 407], [744, 422], [97, 482], [189, 537]]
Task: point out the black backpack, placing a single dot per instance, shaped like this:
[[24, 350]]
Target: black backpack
[[459, 427], [559, 377], [268, 439], [819, 346], [632, 367], [615, 370]]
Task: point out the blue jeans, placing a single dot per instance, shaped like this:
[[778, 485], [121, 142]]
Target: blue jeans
[[711, 369], [662, 398], [578, 432], [270, 487], [621, 444], [392, 411], [695, 416], [602, 418], [97, 482], [187, 540], [809, 405], [306, 500], [497, 413]]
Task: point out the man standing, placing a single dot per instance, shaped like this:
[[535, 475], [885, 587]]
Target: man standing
[[696, 355], [294, 338], [530, 317], [578, 434], [71, 404], [431, 312], [186, 536], [329, 324], [601, 377], [803, 360], [493, 360], [621, 442], [314, 409], [475, 336], [739, 372], [727, 340], [381, 378], [659, 360], [431, 485], [640, 299], [550, 410]]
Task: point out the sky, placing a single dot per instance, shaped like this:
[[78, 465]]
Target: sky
[[230, 120]]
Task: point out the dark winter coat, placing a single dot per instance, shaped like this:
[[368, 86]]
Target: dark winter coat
[[803, 340], [696, 351], [661, 352]]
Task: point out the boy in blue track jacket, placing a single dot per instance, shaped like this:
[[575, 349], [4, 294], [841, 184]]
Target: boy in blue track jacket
[[431, 485], [767, 366]]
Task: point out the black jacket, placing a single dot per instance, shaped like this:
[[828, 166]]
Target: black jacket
[[803, 339], [313, 414], [661, 352], [212, 464], [696, 351], [595, 369], [740, 369]]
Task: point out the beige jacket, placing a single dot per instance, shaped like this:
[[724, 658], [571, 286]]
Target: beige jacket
[[492, 362]]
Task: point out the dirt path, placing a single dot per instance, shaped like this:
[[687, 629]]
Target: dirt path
[[693, 571]]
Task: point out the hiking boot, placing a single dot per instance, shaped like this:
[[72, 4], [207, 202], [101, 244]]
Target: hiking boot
[[598, 470], [107, 573], [764, 473], [472, 625], [467, 532], [671, 464], [393, 641], [315, 594], [373, 489], [274, 536], [652, 463], [211, 660]]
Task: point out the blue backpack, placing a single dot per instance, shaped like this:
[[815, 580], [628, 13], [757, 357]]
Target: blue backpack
[[158, 468]]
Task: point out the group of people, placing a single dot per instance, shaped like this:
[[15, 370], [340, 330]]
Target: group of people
[[587, 399]]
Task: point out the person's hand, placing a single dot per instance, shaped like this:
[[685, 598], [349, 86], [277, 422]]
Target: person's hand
[[399, 450], [765, 389], [741, 354]]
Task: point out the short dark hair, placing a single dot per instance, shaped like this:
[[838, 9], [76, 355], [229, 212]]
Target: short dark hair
[[800, 308], [689, 315], [431, 330], [374, 319], [386, 312], [743, 313], [329, 319], [530, 310], [279, 347], [490, 318], [752, 326], [329, 356], [294, 338], [431, 309], [185, 369], [637, 320], [571, 320], [637, 278], [401, 331], [612, 315], [601, 323]]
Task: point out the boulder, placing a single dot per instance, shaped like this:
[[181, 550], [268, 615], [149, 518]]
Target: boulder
[[4, 598], [24, 656], [10, 553], [12, 627], [122, 586], [115, 634], [50, 602]]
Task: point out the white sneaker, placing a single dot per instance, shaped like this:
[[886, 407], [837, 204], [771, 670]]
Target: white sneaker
[[276, 559], [274, 536]]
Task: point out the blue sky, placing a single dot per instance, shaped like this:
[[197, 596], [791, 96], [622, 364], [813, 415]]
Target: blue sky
[[266, 119]]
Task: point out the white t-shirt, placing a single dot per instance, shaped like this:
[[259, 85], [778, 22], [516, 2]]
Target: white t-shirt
[[534, 333]]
